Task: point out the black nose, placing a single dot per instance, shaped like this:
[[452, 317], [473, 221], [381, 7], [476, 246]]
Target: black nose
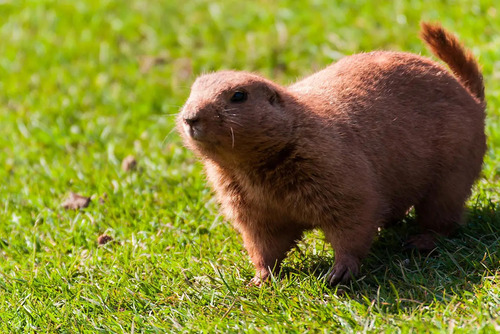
[[191, 120]]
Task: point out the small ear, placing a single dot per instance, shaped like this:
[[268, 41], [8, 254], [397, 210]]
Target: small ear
[[274, 97]]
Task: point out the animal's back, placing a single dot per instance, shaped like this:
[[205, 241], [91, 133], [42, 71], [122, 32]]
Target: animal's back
[[411, 118]]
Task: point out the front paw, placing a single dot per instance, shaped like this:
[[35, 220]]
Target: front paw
[[256, 281], [342, 271], [260, 278]]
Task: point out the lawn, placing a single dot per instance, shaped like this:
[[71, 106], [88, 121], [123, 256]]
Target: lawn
[[84, 84]]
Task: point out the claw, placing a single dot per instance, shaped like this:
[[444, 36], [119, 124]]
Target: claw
[[336, 277], [342, 272], [259, 279], [256, 281]]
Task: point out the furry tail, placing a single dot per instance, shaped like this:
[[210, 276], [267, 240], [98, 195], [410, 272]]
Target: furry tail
[[461, 61]]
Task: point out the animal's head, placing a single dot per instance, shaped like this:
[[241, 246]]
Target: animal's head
[[234, 115]]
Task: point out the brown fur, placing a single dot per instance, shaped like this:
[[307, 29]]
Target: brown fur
[[346, 149]]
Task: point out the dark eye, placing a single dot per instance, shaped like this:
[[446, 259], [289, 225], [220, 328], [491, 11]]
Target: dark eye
[[239, 97]]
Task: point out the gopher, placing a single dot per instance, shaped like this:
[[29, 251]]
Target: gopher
[[346, 150]]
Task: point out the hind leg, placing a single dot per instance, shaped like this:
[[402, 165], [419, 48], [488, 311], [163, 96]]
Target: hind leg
[[441, 211]]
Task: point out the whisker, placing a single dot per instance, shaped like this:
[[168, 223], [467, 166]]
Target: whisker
[[166, 137], [233, 122], [232, 137]]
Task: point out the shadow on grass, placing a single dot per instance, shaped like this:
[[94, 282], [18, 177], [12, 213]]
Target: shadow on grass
[[395, 279]]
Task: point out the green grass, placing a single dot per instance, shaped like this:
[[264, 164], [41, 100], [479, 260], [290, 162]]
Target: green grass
[[77, 96]]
